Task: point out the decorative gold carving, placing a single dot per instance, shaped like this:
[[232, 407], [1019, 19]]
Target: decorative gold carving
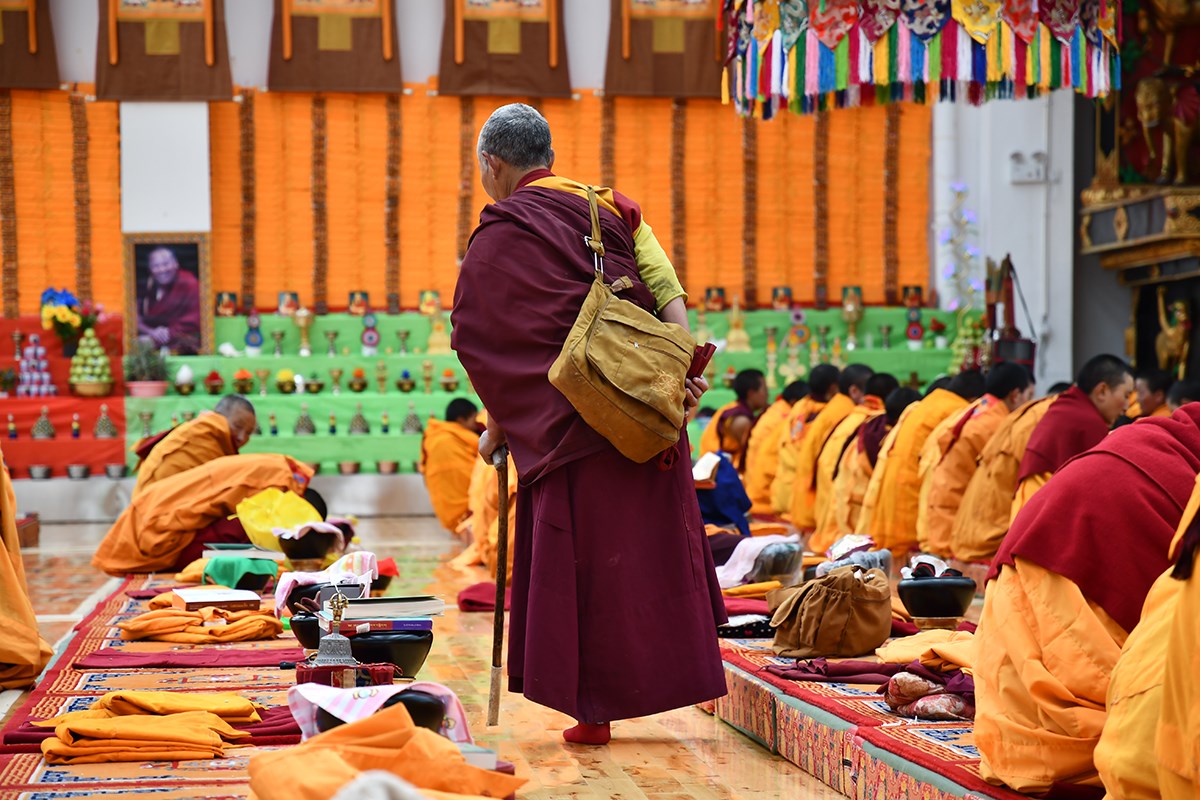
[[1171, 345], [1085, 237], [1156, 252], [1121, 223], [1180, 220], [1131, 329]]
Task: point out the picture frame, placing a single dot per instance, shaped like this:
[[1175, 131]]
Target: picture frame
[[227, 304], [161, 306], [358, 303]]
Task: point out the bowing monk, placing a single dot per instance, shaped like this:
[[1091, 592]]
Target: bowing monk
[[1182, 393], [880, 385], [729, 429], [1064, 592], [1079, 420], [221, 432], [889, 512], [153, 534], [1150, 389], [852, 391], [951, 453], [582, 507], [984, 516], [23, 651], [822, 386], [169, 305], [762, 450], [449, 450]]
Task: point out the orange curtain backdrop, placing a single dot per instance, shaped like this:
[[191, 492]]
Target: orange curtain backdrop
[[104, 188], [225, 257], [916, 150]]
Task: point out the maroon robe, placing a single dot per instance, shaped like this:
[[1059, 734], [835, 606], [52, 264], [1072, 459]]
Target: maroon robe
[[1107, 518], [1071, 425], [615, 600], [177, 310]]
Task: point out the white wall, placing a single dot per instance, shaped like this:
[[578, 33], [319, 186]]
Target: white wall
[[248, 31], [164, 168], [1032, 222]]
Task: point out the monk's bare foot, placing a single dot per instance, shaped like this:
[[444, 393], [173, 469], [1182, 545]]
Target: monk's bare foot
[[584, 733]]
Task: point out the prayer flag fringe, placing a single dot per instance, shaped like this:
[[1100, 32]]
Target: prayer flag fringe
[[901, 66]]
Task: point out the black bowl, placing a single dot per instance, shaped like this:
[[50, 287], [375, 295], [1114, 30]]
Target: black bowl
[[311, 545], [254, 583], [937, 597], [381, 583], [407, 650]]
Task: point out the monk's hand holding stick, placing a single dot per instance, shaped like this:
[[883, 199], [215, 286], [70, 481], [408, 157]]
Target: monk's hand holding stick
[[491, 440], [696, 387]]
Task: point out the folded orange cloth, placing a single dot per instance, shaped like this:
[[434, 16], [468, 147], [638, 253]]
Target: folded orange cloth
[[177, 737], [193, 572], [232, 708], [206, 626], [752, 590], [387, 740]]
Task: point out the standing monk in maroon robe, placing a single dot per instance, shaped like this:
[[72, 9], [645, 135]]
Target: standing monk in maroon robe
[[614, 600], [169, 307]]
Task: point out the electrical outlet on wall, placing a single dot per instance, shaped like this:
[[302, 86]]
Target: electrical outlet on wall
[[1025, 168]]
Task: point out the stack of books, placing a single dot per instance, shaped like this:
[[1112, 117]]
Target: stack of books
[[365, 614], [236, 550]]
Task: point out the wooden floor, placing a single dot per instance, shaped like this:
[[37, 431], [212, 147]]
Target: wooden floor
[[684, 754]]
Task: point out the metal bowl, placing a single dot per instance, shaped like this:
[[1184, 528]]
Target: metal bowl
[[387, 467], [943, 597], [78, 472], [115, 471], [40, 472]]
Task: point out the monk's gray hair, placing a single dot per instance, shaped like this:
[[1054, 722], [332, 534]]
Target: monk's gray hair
[[231, 403], [518, 135]]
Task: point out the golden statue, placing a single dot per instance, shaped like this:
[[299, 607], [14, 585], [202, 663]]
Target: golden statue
[[1171, 345], [737, 340], [1156, 101], [439, 339]]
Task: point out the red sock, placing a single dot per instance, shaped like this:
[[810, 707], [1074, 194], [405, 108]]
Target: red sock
[[585, 733]]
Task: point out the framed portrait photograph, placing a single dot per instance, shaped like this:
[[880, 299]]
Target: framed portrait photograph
[[167, 286]]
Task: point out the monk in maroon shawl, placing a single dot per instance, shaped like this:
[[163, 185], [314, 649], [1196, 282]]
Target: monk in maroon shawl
[[1066, 589], [1078, 420], [169, 306], [615, 600]]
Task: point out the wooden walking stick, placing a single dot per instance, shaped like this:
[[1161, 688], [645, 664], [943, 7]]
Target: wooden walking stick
[[500, 462]]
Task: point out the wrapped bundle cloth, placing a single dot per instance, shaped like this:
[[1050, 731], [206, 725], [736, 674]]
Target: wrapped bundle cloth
[[922, 693], [318, 768], [206, 626], [351, 705], [359, 567], [177, 737], [232, 708]]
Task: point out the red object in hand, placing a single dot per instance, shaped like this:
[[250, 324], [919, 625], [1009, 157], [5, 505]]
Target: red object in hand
[[703, 355]]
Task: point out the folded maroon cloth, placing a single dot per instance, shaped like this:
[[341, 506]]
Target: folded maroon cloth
[[149, 594], [115, 658], [901, 628], [277, 727], [746, 605], [482, 597], [823, 670]]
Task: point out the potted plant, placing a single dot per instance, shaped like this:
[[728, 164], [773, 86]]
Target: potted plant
[[938, 329], [63, 313], [145, 371], [243, 381], [358, 379], [285, 381]]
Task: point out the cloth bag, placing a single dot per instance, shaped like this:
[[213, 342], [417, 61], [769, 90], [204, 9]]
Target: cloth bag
[[621, 367], [846, 613]]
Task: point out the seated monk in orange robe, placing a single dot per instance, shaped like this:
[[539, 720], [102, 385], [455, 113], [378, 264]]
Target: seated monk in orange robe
[[1080, 420], [762, 450], [889, 513], [951, 453], [854, 471], [160, 523], [985, 513], [729, 429], [822, 386], [1177, 742], [387, 740], [852, 391], [449, 450], [211, 435], [1065, 590], [1151, 387], [844, 435], [23, 651]]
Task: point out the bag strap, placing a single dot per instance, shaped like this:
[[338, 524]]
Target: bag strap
[[594, 242]]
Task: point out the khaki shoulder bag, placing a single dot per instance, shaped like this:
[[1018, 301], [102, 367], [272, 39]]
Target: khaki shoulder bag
[[621, 367]]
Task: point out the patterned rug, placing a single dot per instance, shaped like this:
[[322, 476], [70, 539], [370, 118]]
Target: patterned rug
[[845, 734], [23, 773]]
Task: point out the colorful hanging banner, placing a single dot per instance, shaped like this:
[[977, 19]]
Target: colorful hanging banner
[[868, 52]]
